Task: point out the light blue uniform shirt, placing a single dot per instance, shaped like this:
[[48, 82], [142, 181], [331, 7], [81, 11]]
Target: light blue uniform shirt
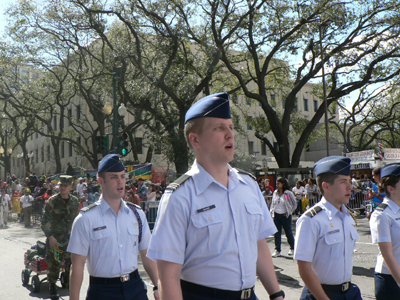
[[212, 230], [385, 227], [109, 241], [327, 240]]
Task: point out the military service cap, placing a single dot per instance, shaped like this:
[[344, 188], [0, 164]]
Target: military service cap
[[216, 105], [111, 163], [66, 179], [391, 170], [333, 164]]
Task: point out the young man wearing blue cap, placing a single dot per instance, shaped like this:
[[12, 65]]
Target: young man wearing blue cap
[[108, 236], [209, 237], [385, 231], [326, 236]]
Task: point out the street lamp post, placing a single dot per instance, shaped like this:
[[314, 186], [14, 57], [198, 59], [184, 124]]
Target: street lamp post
[[321, 26], [116, 112]]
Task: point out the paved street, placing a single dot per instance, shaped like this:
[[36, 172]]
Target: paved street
[[15, 240]]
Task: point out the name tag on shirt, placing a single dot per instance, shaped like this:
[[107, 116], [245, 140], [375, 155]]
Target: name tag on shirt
[[333, 231], [99, 228], [204, 209]]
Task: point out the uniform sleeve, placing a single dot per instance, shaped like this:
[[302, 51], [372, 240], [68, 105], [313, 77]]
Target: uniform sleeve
[[306, 239], [47, 218], [146, 233], [79, 240], [380, 228], [268, 227], [169, 234]]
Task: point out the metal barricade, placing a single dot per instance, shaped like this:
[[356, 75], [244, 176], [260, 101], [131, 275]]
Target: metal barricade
[[150, 209]]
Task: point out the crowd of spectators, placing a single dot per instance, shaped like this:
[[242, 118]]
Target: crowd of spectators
[[28, 196]]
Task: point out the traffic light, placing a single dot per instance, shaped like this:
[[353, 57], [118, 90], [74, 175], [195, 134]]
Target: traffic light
[[123, 144], [102, 143], [105, 142]]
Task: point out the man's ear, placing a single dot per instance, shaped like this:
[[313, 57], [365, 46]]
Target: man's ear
[[194, 140], [326, 186]]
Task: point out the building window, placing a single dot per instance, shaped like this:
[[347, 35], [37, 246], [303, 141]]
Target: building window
[[296, 106], [276, 146], [48, 152], [251, 147], [55, 123], [249, 127], [139, 145], [69, 116], [283, 103], [263, 148], [273, 101], [62, 150], [37, 135], [42, 153], [307, 147], [78, 113], [305, 104], [61, 123], [70, 149], [315, 105], [248, 101], [37, 155]]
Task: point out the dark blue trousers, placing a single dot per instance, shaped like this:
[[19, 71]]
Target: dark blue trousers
[[353, 293], [191, 296], [386, 287], [134, 289], [281, 221]]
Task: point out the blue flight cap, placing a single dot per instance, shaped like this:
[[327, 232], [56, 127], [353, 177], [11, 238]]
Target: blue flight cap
[[111, 163], [333, 164], [391, 170], [216, 105]]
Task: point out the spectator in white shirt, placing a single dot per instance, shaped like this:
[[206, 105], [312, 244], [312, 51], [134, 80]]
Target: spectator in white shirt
[[26, 202], [299, 191], [79, 188], [5, 200]]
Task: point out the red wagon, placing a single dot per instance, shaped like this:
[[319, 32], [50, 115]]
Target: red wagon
[[39, 266]]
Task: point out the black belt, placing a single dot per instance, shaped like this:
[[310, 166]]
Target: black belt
[[123, 278], [216, 293], [343, 287]]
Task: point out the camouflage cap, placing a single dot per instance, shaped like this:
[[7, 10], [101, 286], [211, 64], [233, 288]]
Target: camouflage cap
[[66, 179]]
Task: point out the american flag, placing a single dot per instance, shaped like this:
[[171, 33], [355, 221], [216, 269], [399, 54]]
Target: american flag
[[380, 149]]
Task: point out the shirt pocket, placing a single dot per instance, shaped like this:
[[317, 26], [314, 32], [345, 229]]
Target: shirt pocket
[[334, 239], [133, 234], [100, 239], [254, 219], [209, 226]]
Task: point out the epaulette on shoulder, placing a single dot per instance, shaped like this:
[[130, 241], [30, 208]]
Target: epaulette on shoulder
[[313, 211], [382, 206], [133, 204], [87, 208], [177, 183], [352, 214], [247, 173]]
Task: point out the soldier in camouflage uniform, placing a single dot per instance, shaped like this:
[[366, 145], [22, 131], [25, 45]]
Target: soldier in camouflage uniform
[[60, 212]]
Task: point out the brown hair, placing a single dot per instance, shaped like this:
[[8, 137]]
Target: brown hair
[[193, 126], [325, 177], [386, 181]]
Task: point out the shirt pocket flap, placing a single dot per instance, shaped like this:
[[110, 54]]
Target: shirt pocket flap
[[206, 219], [253, 209], [333, 237], [100, 234], [134, 230]]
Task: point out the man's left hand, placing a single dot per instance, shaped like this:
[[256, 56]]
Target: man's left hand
[[157, 295]]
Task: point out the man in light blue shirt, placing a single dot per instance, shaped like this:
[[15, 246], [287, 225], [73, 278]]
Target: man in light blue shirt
[[109, 235], [326, 236], [209, 237]]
